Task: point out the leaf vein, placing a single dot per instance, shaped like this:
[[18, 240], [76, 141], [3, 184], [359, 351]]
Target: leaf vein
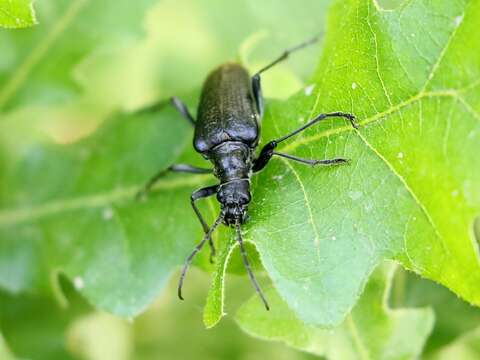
[[316, 240], [11, 217], [440, 58], [377, 65], [407, 187], [376, 117]]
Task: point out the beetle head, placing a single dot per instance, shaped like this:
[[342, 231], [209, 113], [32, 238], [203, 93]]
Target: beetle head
[[234, 197]]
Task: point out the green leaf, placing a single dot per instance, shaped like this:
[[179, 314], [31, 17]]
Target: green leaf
[[465, 348], [392, 212], [370, 331], [411, 291], [33, 326], [453, 337], [100, 336], [38, 63], [17, 14], [117, 251], [412, 188], [5, 352], [213, 311], [173, 330], [37, 328], [230, 260]]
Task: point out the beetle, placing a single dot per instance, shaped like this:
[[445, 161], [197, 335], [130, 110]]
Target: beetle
[[227, 133]]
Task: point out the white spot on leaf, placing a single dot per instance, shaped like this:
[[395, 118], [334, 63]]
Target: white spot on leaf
[[309, 89], [368, 206], [355, 195], [354, 85], [78, 283], [107, 214], [458, 20]]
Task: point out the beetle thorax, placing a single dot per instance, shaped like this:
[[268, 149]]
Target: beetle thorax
[[231, 160], [233, 163]]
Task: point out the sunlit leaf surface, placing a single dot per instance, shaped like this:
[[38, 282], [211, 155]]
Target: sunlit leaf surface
[[371, 330], [15, 14]]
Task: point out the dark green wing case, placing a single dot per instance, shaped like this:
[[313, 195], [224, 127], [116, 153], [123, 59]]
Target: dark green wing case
[[227, 110]]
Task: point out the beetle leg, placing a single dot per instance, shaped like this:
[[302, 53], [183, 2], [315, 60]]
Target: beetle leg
[[182, 109], [335, 161], [248, 267], [317, 119], [208, 235], [257, 93], [288, 52], [201, 194], [177, 104], [184, 168], [265, 155], [268, 150], [256, 80]]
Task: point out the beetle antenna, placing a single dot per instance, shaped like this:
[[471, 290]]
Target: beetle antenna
[[196, 250], [247, 265]]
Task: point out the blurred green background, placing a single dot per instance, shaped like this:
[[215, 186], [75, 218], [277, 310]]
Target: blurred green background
[[37, 328], [86, 60]]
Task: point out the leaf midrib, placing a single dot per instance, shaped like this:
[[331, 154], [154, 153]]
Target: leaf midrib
[[452, 93], [11, 217]]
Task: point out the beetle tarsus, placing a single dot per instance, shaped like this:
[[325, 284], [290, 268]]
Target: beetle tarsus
[[248, 267], [195, 251]]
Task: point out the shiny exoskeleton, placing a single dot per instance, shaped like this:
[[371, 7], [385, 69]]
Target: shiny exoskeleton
[[227, 132]]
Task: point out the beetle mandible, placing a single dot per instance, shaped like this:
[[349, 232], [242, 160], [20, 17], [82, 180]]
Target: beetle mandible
[[227, 132]]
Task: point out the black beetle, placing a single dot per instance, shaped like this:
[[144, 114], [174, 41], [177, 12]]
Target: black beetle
[[227, 132]]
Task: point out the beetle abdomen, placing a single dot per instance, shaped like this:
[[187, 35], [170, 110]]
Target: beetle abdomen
[[226, 111]]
